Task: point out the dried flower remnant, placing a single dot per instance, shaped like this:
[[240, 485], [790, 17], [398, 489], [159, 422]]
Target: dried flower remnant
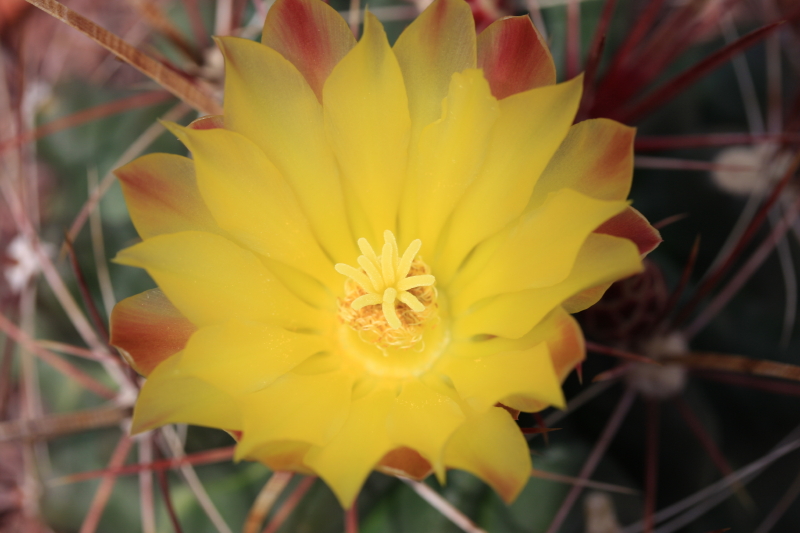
[[750, 169], [599, 513], [660, 381], [630, 316], [498, 217], [23, 263]]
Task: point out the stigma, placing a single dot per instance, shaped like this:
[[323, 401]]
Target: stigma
[[391, 295]]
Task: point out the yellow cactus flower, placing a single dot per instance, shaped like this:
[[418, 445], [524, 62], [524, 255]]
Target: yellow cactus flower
[[376, 248]]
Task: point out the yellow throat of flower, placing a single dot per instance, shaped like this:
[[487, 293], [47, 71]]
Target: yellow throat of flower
[[391, 297]]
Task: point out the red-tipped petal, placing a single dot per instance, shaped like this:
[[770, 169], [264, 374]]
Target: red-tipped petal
[[514, 57], [585, 299], [631, 224], [147, 329], [596, 159], [440, 42], [208, 122], [566, 344], [162, 196], [405, 462], [475, 447], [311, 35], [171, 396]]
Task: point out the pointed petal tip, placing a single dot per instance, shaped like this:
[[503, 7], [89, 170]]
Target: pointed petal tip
[[515, 57], [438, 43], [407, 463], [311, 35], [632, 225], [176, 129], [491, 447], [141, 424], [147, 329], [208, 122]]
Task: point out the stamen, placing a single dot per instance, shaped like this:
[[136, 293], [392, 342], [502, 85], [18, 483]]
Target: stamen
[[385, 280]]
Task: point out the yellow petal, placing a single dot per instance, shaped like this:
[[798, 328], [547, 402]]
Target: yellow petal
[[367, 121], [363, 440], [283, 455], [423, 420], [602, 259], [307, 288], [558, 330], [243, 357], [451, 151], [437, 44], [251, 200], [491, 446], [320, 363], [484, 381], [170, 396], [539, 250], [210, 280], [567, 349], [308, 408], [595, 159], [268, 101], [162, 197], [529, 129], [477, 347], [585, 299], [310, 34]]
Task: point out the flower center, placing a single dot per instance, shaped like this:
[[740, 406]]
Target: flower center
[[391, 297]]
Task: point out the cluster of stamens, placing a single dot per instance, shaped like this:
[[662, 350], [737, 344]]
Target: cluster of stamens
[[390, 298]]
